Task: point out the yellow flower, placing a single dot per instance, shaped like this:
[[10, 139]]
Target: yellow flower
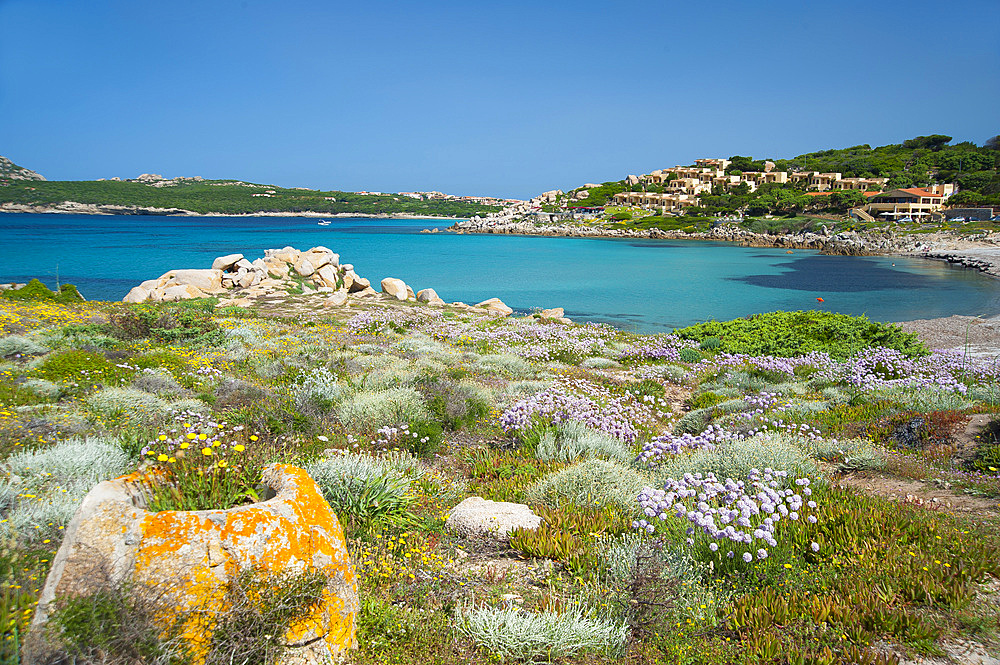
[[253, 437], [150, 452], [207, 452], [239, 447], [216, 444], [172, 460], [161, 458], [163, 437], [184, 445], [202, 436], [223, 464], [190, 435]]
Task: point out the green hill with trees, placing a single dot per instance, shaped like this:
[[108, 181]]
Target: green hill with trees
[[231, 197]]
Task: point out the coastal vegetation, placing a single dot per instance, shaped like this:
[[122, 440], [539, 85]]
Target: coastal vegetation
[[792, 488], [228, 197]]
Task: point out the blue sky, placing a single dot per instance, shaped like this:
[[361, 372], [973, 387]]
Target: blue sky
[[508, 98]]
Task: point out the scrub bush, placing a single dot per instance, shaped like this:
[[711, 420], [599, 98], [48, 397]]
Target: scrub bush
[[593, 482], [512, 634], [371, 410], [19, 345], [570, 440], [35, 290], [126, 405], [365, 489], [798, 333]]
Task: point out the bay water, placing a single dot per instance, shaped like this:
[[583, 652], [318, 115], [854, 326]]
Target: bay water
[[640, 285]]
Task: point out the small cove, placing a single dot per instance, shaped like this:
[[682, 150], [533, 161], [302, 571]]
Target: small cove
[[641, 285]]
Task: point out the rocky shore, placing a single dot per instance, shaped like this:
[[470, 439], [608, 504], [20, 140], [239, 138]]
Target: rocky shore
[[979, 252], [239, 282]]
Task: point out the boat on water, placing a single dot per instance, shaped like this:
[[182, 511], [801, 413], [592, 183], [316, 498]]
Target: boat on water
[[324, 222]]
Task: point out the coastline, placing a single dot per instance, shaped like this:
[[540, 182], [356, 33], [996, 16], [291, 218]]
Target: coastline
[[74, 208]]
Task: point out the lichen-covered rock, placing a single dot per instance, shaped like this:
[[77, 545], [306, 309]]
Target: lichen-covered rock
[[477, 516], [187, 558]]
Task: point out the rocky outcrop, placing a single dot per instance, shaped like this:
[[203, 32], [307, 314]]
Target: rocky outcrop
[[397, 288], [11, 171], [477, 517], [318, 269], [184, 560]]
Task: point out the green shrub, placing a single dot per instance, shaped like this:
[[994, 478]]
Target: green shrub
[[504, 364], [46, 485], [370, 410], [690, 355], [19, 345], [511, 634], [44, 389], [735, 458], [797, 333], [365, 489], [593, 482], [458, 404], [82, 368], [35, 290], [705, 400], [189, 322], [710, 343], [571, 440], [126, 405]]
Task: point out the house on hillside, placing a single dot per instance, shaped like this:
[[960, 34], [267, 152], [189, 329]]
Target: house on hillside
[[912, 202]]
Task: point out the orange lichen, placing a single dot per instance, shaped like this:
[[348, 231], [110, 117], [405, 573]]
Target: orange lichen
[[200, 551]]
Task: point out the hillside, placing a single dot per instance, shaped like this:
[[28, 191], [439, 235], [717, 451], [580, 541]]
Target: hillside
[[230, 197], [11, 171], [916, 162]]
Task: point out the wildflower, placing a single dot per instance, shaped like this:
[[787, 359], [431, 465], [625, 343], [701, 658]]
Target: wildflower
[[239, 447], [162, 457], [206, 451], [814, 546]]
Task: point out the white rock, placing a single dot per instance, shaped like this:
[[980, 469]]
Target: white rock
[[208, 279], [182, 292], [495, 305], [338, 299], [477, 516], [226, 262], [553, 313], [358, 283], [304, 266], [243, 263], [427, 295], [396, 288], [328, 276], [137, 294]]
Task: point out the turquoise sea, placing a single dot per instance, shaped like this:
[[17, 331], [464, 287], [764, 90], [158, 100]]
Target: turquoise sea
[[642, 285]]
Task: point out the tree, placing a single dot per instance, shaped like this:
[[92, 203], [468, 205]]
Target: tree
[[992, 143], [846, 199], [932, 142]]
